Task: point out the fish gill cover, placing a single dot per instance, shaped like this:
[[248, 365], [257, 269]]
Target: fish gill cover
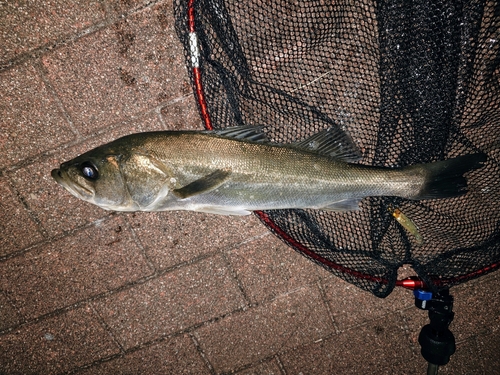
[[410, 83]]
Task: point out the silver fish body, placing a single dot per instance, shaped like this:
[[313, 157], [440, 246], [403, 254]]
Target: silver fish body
[[237, 171]]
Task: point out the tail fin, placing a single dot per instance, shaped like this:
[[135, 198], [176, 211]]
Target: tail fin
[[444, 179]]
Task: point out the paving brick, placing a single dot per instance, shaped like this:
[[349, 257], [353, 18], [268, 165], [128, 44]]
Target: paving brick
[[56, 344], [489, 346], [465, 361], [118, 7], [57, 210], [268, 268], [119, 71], [182, 114], [31, 24], [476, 307], [247, 337], [174, 356], [174, 237], [17, 230], [351, 306], [97, 259], [380, 347], [415, 319], [8, 314], [175, 301], [31, 120], [266, 368]]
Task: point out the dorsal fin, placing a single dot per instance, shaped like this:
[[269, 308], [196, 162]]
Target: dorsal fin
[[332, 142], [245, 132]]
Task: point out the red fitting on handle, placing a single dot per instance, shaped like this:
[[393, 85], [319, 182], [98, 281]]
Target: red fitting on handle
[[412, 283]]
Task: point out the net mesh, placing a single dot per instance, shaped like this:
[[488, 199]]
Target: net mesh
[[410, 82]]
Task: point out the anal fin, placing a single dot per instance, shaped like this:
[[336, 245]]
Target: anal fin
[[223, 210], [343, 205]]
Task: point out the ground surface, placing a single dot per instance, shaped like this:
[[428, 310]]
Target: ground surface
[[89, 292]]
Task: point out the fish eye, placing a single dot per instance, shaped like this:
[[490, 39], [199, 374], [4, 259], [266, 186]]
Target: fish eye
[[89, 171]]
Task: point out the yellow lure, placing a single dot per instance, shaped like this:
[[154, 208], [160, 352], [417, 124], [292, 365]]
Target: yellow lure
[[406, 223]]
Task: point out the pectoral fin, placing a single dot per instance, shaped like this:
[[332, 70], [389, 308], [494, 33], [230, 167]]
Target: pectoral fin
[[203, 184]]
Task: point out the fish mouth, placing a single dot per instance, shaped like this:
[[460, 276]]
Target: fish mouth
[[73, 187]]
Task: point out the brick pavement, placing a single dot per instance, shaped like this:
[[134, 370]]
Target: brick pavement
[[86, 291]]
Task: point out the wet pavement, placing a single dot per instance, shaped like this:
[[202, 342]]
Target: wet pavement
[[86, 291]]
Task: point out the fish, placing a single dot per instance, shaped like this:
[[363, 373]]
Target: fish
[[237, 170]]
